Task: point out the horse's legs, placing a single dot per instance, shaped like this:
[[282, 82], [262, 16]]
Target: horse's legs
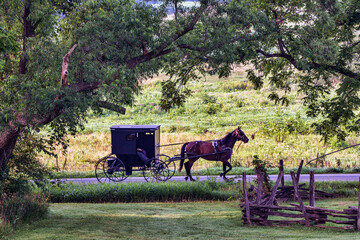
[[188, 166], [225, 163]]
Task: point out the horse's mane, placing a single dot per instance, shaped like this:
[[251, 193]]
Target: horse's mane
[[226, 138]]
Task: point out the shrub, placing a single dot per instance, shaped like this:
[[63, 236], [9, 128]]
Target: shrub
[[151, 107], [178, 128], [17, 208], [239, 103], [210, 109], [138, 192], [282, 127], [237, 86], [18, 202], [205, 98]]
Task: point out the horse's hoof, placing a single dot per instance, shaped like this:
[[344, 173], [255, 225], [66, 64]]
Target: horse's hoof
[[193, 180], [221, 174], [186, 178]]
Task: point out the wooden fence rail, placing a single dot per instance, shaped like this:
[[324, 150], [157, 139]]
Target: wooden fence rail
[[263, 210]]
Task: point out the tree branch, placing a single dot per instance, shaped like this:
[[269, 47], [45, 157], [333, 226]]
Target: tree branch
[[112, 107], [160, 50], [337, 69], [65, 65]]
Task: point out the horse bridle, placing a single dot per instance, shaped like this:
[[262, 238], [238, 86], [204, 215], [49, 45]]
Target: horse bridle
[[238, 137]]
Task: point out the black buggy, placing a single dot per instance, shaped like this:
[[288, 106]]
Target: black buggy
[[135, 148]]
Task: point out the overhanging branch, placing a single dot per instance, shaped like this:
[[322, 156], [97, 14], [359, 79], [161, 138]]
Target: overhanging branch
[[161, 49], [65, 65], [112, 107]]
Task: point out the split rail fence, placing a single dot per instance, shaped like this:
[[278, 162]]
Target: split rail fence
[[264, 209]]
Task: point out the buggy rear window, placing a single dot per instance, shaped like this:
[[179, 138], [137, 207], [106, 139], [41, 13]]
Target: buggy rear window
[[130, 137]]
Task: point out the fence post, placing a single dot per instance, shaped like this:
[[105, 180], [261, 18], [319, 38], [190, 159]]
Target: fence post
[[297, 195], [259, 192], [298, 173], [247, 207], [358, 211], [312, 189], [281, 169]]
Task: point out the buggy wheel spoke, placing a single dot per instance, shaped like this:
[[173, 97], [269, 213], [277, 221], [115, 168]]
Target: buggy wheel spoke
[[169, 167], [153, 171], [99, 172], [110, 169]]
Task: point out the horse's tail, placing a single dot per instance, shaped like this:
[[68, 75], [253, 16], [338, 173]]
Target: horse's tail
[[182, 156]]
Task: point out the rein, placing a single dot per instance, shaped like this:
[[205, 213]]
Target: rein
[[172, 144], [238, 146]]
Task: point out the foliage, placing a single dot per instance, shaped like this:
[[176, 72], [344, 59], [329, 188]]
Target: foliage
[[210, 109], [314, 53], [282, 127], [148, 108], [20, 199], [138, 192], [206, 98], [261, 168], [236, 86], [26, 208]]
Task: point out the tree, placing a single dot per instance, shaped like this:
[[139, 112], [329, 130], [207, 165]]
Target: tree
[[313, 45], [93, 54]]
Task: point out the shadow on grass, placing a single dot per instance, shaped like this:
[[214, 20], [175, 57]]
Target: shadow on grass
[[200, 220]]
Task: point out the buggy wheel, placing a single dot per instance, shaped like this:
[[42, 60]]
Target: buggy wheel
[[100, 174], [170, 169], [115, 169], [110, 168], [153, 171]]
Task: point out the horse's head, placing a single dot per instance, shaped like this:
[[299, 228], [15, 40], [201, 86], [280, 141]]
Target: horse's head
[[240, 135]]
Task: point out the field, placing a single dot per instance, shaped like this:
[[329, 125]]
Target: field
[[187, 220], [215, 108]]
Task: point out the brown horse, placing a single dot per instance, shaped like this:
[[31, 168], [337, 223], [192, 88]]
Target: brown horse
[[217, 150]]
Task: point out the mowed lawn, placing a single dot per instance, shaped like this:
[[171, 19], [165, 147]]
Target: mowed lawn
[[186, 220]]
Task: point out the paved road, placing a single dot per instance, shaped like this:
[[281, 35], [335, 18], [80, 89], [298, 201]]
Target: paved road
[[303, 178]]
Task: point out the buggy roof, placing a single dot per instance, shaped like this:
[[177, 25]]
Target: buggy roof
[[135, 127]]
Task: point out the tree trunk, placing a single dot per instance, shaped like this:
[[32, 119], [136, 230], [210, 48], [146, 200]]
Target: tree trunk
[[7, 145], [28, 31], [9, 135]]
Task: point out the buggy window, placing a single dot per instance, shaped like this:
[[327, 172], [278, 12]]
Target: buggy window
[[130, 137]]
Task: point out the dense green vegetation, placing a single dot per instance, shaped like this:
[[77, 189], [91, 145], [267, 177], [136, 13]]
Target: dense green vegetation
[[141, 192], [170, 191]]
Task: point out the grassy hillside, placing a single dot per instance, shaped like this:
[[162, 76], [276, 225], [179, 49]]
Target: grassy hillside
[[215, 108]]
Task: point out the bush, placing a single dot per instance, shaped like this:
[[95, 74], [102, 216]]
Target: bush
[[239, 103], [154, 108], [205, 99], [18, 202], [210, 109], [138, 192], [237, 86], [282, 127], [19, 208]]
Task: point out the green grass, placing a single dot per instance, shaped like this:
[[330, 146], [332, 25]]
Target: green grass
[[186, 220]]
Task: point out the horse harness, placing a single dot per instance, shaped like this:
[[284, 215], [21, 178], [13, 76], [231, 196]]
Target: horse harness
[[215, 145]]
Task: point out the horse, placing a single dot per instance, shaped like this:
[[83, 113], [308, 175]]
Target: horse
[[217, 150]]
